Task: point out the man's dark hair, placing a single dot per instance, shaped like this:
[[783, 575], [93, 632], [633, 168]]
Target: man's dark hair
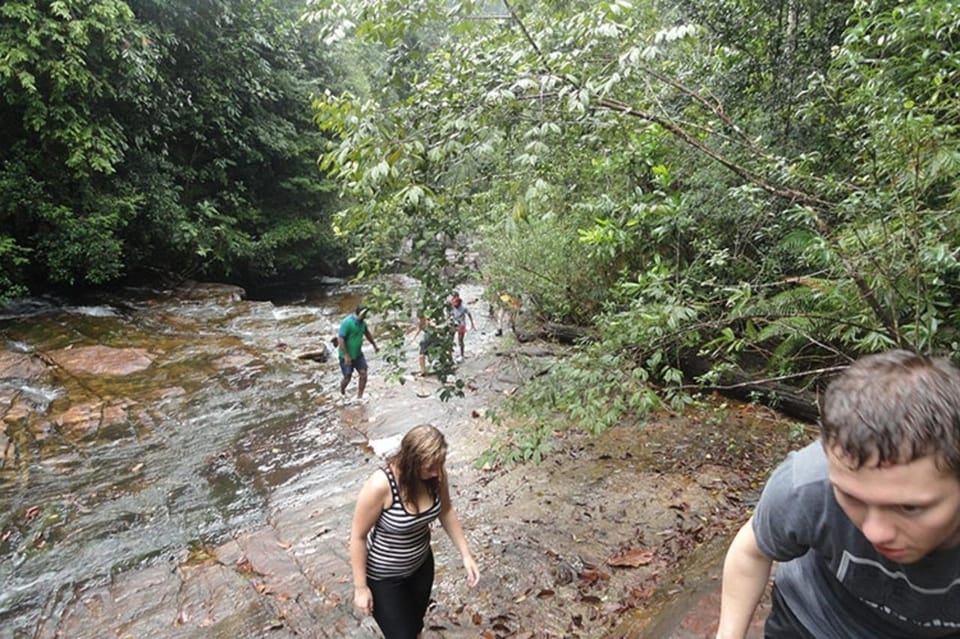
[[893, 408]]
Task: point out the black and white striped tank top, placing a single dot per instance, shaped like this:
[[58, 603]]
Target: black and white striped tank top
[[399, 542]]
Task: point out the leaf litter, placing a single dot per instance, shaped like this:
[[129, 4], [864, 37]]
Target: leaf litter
[[592, 542]]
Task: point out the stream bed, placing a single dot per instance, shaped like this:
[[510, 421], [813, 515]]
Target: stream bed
[[178, 464]]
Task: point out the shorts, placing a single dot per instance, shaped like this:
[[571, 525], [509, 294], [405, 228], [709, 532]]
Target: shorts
[[400, 603], [425, 343], [356, 364]]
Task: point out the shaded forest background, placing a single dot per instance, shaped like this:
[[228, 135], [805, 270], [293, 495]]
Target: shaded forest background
[[712, 191], [153, 140]]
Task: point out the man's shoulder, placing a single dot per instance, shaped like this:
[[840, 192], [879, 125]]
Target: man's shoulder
[[809, 464], [799, 478], [796, 505]]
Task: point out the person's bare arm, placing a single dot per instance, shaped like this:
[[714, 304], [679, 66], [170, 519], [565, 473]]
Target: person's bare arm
[[451, 524], [366, 331], [372, 500], [343, 348], [746, 571], [418, 327]]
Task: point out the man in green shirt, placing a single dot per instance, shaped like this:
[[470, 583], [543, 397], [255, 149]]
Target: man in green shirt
[[350, 349]]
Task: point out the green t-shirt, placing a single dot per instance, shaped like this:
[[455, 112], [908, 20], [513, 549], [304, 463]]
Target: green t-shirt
[[352, 330]]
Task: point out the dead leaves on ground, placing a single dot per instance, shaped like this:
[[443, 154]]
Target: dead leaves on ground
[[631, 558], [584, 597]]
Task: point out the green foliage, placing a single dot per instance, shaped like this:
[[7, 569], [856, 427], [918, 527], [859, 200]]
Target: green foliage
[[521, 442], [80, 245], [543, 257], [763, 185], [13, 258], [145, 138], [60, 70]]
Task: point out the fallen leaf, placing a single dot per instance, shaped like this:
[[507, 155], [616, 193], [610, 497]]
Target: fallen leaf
[[592, 576], [639, 596], [632, 558]]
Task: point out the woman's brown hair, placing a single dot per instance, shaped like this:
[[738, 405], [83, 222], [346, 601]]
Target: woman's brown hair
[[422, 446]]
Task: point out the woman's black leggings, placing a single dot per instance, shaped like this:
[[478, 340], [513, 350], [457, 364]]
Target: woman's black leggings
[[399, 604]]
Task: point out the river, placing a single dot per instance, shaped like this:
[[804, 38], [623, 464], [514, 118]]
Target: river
[[140, 428]]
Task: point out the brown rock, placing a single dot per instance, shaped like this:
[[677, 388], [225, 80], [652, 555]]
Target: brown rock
[[204, 291], [16, 409], [101, 360], [93, 415], [234, 360], [20, 366]]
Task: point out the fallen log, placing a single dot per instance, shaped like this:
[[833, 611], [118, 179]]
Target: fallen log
[[738, 384], [553, 332]]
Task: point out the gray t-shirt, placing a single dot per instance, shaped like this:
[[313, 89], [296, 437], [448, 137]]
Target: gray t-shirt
[[459, 314], [830, 576]]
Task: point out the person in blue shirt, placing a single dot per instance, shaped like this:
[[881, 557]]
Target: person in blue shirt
[[353, 330]]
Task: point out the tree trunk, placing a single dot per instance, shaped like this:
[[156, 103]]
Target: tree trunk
[[738, 384], [551, 332]]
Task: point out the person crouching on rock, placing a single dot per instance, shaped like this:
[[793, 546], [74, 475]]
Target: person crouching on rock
[[390, 536]]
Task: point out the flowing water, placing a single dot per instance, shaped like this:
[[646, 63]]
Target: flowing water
[[141, 429]]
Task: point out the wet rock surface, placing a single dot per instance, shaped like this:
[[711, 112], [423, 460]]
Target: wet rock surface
[[616, 535]]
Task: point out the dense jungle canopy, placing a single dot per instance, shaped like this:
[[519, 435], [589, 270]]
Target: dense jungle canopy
[[148, 139], [711, 187]]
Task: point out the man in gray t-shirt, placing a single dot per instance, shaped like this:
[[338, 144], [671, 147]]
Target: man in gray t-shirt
[[865, 522]]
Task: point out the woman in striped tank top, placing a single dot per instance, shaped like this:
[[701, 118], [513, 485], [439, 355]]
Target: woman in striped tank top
[[390, 537]]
